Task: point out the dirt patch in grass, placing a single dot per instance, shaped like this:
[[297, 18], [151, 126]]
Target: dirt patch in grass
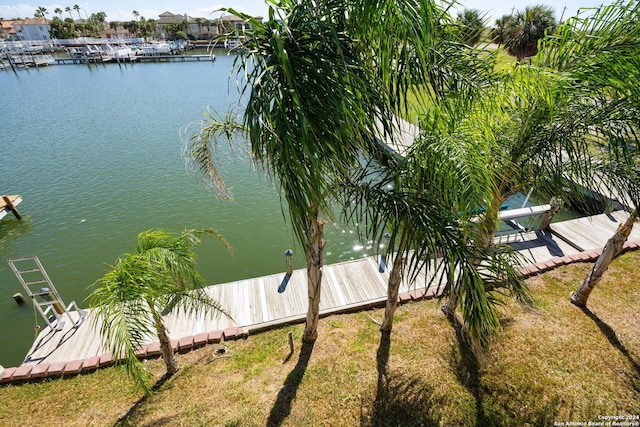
[[553, 363]]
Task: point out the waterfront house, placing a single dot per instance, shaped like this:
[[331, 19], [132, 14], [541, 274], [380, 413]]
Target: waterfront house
[[31, 29], [195, 28]]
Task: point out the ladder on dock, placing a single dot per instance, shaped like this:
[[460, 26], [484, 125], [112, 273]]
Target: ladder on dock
[[43, 293]]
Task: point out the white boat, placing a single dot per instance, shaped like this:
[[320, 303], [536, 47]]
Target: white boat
[[87, 52], [119, 53], [157, 48]]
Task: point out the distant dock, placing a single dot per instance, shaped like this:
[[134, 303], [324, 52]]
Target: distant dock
[[140, 58]]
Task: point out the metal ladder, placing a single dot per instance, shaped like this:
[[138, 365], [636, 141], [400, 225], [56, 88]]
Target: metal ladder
[[43, 293]]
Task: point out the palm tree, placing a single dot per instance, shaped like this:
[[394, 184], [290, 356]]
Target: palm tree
[[499, 32], [309, 113], [77, 9], [130, 300], [199, 22], [68, 10], [136, 14], [470, 26], [114, 25], [595, 56], [41, 12], [525, 28], [58, 11]]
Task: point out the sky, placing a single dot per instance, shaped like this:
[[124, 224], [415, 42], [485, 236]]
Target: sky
[[121, 10]]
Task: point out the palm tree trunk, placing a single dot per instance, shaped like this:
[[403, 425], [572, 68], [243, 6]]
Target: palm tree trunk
[[315, 246], [393, 286], [488, 224], [165, 346], [611, 250]]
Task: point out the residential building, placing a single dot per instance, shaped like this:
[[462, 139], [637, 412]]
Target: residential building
[[31, 29], [232, 22], [195, 28], [6, 30]]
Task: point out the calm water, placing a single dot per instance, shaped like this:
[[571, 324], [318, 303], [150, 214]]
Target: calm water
[[96, 154]]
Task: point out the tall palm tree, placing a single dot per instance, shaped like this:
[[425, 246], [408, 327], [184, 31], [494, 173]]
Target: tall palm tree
[[77, 9], [58, 11], [68, 10], [130, 300], [309, 113], [41, 12]]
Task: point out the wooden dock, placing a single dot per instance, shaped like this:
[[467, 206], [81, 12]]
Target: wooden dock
[[255, 304], [139, 58]]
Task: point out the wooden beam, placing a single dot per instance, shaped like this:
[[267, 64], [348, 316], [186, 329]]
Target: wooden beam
[[11, 206]]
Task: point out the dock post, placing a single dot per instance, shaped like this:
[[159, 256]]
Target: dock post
[[18, 298], [383, 257], [554, 209], [288, 254], [11, 207]]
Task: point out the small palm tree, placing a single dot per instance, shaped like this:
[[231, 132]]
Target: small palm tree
[[130, 300], [525, 28]]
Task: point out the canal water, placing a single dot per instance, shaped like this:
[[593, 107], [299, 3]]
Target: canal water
[[95, 152]]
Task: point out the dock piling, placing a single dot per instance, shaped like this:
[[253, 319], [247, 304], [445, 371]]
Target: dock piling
[[9, 204]]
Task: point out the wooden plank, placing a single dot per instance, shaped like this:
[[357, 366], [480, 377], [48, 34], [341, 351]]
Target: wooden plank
[[592, 232], [537, 246]]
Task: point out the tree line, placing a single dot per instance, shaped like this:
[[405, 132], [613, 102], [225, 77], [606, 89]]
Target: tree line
[[63, 27]]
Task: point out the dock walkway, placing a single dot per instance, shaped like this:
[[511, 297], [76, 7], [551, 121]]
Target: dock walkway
[[255, 304]]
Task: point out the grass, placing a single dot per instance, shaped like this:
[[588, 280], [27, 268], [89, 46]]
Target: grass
[[553, 363]]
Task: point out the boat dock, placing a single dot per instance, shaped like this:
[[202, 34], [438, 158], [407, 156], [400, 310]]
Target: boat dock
[[260, 303], [139, 58]]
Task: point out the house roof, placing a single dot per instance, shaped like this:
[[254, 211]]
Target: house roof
[[35, 21], [172, 18], [233, 18]]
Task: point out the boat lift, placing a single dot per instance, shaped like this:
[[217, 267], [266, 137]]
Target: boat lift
[[43, 294]]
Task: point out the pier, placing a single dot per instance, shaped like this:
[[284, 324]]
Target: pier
[[260, 303], [139, 58]]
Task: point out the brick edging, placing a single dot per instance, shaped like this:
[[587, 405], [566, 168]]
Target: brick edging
[[74, 367]]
